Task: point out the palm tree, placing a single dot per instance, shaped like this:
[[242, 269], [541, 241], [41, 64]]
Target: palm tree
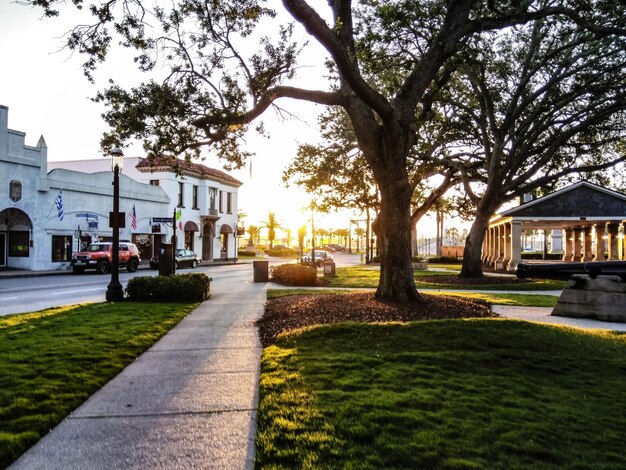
[[253, 232], [301, 235], [321, 232], [343, 234], [271, 224]]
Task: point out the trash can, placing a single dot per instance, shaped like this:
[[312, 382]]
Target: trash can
[[260, 271], [166, 259], [329, 268]]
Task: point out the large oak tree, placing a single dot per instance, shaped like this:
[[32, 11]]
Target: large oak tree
[[547, 101], [387, 58]]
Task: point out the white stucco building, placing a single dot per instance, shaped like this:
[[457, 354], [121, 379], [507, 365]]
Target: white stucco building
[[203, 200], [34, 233]]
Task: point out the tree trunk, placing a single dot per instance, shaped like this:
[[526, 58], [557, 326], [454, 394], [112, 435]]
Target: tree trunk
[[394, 234], [472, 254], [368, 234]]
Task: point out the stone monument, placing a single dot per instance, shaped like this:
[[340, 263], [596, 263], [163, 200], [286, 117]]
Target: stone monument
[[599, 297]]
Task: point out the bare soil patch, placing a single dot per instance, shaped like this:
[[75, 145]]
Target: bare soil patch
[[297, 311]]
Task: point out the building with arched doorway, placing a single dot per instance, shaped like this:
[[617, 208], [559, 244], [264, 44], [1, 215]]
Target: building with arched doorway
[[45, 216], [203, 200]]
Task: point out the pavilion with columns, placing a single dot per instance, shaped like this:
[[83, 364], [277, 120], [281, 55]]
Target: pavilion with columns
[[584, 221]]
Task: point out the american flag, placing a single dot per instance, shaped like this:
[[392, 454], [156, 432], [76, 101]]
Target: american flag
[[133, 218], [59, 204]]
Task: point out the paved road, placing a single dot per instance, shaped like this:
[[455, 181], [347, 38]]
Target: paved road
[[30, 294]]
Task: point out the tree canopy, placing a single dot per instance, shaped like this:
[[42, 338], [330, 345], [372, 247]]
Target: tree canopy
[[387, 61]]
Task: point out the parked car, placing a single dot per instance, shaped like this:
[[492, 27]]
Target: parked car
[[184, 259], [281, 250], [320, 257], [99, 256], [335, 247]]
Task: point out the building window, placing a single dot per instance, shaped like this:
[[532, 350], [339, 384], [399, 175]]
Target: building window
[[221, 200], [212, 197], [61, 248], [181, 187], [229, 203], [155, 183], [18, 243], [15, 190], [195, 197]]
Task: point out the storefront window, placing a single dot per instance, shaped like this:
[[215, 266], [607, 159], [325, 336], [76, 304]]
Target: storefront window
[[61, 248], [18, 243], [144, 244]]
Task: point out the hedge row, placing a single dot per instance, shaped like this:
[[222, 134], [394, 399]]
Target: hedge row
[[246, 253], [293, 275], [194, 287]]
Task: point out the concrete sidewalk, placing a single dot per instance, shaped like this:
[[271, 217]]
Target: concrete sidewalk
[[542, 315], [188, 402]]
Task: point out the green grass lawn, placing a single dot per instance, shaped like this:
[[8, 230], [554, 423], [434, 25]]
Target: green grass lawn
[[358, 276], [526, 300], [452, 394], [55, 359]]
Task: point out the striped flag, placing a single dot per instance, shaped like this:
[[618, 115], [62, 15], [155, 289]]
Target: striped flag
[[59, 204], [133, 218]]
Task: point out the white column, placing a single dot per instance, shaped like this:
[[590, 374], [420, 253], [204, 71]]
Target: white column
[[577, 244], [569, 245], [588, 254], [507, 244], [600, 243], [612, 241], [516, 245]]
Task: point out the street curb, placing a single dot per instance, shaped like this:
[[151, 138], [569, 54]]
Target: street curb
[[10, 274]]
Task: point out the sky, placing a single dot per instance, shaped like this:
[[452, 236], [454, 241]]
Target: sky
[[47, 94]]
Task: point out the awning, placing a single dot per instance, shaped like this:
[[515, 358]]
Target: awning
[[226, 229], [191, 227]]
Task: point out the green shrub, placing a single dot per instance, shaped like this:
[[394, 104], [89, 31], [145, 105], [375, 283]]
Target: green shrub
[[194, 287], [246, 253], [293, 275]]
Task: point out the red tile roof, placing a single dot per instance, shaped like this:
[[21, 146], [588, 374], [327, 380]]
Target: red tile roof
[[185, 167]]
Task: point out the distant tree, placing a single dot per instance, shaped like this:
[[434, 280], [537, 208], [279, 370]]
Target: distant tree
[[453, 234], [271, 224], [360, 234], [301, 235], [343, 233], [254, 233], [543, 102]]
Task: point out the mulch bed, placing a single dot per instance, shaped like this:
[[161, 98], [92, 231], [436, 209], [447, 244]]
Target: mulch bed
[[485, 281], [289, 313]]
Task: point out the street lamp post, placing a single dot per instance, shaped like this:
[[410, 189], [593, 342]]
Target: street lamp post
[[115, 292]]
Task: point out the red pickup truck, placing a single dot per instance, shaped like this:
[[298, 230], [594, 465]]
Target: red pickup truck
[[99, 256]]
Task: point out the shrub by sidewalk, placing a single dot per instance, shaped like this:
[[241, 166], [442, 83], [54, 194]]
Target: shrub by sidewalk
[[194, 287], [293, 275]]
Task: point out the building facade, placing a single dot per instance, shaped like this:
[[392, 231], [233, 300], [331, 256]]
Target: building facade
[[203, 203], [582, 222], [45, 216]]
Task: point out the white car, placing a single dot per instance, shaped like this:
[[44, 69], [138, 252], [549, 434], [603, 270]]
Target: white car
[[320, 257]]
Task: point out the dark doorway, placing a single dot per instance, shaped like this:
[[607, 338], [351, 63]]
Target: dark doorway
[[3, 250]]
